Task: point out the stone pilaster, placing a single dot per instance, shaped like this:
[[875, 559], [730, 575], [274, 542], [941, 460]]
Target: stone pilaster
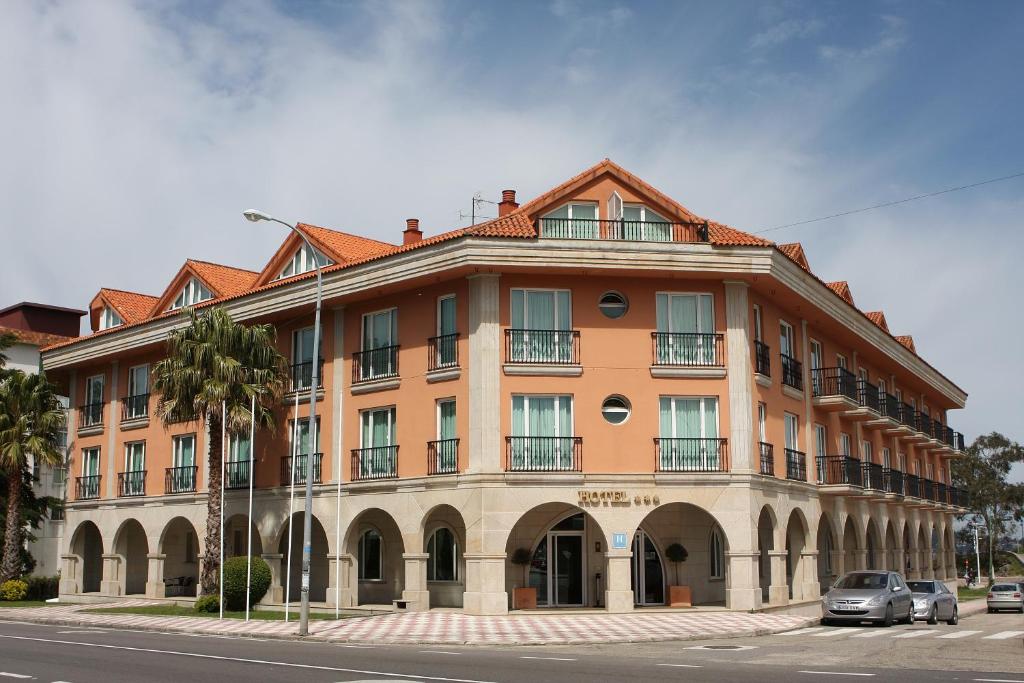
[[155, 576], [778, 590], [485, 584], [740, 378], [860, 559], [112, 582], [343, 572], [618, 594], [484, 370], [838, 562], [809, 586], [337, 394], [69, 575], [111, 426], [415, 590], [278, 576], [743, 585]]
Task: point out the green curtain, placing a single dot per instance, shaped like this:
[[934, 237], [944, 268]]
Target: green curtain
[[238, 448], [564, 443], [711, 432], [136, 457], [446, 316], [186, 455], [542, 424], [447, 420]]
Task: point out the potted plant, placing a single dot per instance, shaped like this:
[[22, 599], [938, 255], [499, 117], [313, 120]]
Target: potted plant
[[678, 595], [526, 596]]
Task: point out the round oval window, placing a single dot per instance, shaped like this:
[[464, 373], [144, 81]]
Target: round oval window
[[613, 305], [615, 409]]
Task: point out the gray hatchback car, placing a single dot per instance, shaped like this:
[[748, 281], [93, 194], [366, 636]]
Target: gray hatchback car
[[865, 595]]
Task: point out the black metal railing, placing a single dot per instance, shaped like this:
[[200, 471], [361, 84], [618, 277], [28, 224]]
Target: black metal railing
[[300, 469], [893, 481], [542, 347], [796, 465], [911, 485], [301, 375], [927, 489], [889, 406], [762, 359], [908, 416], [959, 441], [443, 456], [87, 487], [443, 352], [839, 470], [180, 479], [792, 372], [925, 425], [959, 497], [688, 349], [691, 455], [91, 414], [135, 407], [622, 229], [868, 396], [941, 493], [374, 462], [131, 483], [872, 476], [834, 382], [767, 458], [543, 454], [372, 364], [236, 474]]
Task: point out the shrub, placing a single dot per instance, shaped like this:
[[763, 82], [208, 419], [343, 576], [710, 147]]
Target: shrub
[[208, 603], [676, 553], [234, 582], [12, 590], [42, 587]]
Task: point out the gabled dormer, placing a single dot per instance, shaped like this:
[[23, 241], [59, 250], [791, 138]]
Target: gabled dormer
[[302, 262], [795, 251], [199, 281], [112, 308], [294, 257], [191, 294]]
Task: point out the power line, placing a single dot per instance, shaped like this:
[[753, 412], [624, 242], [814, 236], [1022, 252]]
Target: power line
[[899, 201]]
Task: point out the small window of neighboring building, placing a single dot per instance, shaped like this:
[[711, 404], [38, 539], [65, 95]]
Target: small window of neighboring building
[[192, 293], [109, 318], [615, 409], [443, 556], [716, 553], [613, 305], [371, 556]]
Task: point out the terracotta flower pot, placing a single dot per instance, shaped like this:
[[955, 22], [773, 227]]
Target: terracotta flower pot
[[524, 598], [680, 596]]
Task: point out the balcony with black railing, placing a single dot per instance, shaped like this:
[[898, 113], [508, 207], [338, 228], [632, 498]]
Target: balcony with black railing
[[374, 462], [301, 376], [908, 416], [872, 476], [180, 479], [927, 489], [543, 454], [792, 372], [691, 455], [868, 396], [88, 487], [889, 406], [893, 481], [829, 384], [301, 463], [135, 407], [236, 474], [839, 470], [443, 456], [375, 364], [766, 451], [762, 358], [796, 465], [542, 347], [90, 415], [911, 485], [687, 349], [443, 352], [941, 493], [621, 229], [131, 483]]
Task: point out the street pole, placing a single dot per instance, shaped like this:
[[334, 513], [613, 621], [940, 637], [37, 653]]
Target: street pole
[[977, 554]]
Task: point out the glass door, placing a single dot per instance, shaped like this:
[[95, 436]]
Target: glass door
[[567, 575], [683, 322], [648, 572]]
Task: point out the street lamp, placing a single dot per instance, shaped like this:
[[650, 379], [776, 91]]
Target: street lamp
[[307, 521]]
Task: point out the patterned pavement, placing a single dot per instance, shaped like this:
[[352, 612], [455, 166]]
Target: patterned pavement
[[439, 627]]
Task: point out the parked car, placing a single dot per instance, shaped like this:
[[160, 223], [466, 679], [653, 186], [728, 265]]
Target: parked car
[[1006, 596], [878, 596], [933, 601]]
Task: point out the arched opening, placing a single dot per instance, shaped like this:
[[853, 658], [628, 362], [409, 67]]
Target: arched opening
[[130, 543], [765, 544], [850, 545], [236, 537], [375, 542], [909, 561], [180, 547], [891, 546], [923, 552], [647, 571], [827, 571], [796, 540], [936, 554], [319, 566], [444, 542], [874, 558], [87, 544]]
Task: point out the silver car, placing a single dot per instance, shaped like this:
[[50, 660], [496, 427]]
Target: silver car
[[933, 601], [1006, 596], [865, 595]]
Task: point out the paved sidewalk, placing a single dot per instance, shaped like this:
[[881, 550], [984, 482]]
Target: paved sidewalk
[[442, 628]]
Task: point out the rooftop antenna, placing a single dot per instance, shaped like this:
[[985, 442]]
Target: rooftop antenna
[[476, 202]]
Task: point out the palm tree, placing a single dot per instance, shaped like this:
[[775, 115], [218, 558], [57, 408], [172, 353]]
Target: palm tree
[[31, 420], [7, 340], [216, 361]]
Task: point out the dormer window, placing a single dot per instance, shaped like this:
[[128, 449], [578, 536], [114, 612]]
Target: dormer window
[[302, 262], [109, 318], [193, 292]]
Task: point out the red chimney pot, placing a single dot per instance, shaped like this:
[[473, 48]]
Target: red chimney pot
[[508, 203], [412, 232]]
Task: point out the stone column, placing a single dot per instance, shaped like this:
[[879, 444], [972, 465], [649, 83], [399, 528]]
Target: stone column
[[899, 561], [740, 378], [69, 576], [111, 583], [485, 584], [337, 394], [743, 585], [338, 591], [618, 594], [484, 375], [927, 565], [860, 559], [778, 589], [415, 590], [113, 417], [278, 575], [810, 587], [838, 562], [155, 576], [914, 572]]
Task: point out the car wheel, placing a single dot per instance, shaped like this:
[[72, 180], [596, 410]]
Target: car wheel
[[826, 622], [954, 619], [991, 611], [933, 615], [909, 619], [888, 621]]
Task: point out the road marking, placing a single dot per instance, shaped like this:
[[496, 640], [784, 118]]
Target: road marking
[[833, 632], [89, 632], [552, 659], [438, 652], [958, 634], [802, 631], [833, 673], [1004, 635], [915, 634], [685, 666], [873, 633], [268, 662], [1000, 680], [9, 675]]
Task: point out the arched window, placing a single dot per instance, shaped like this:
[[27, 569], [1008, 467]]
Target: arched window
[[443, 549], [716, 555], [371, 556]]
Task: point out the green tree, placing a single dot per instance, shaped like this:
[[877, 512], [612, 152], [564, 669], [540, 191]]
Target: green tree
[[31, 421], [6, 341], [982, 471], [215, 362]]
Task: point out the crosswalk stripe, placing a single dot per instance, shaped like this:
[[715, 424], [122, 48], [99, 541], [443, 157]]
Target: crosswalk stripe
[[958, 634], [874, 633], [1004, 635], [914, 634], [802, 631], [832, 632]]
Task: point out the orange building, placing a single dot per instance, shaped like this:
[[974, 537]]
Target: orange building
[[587, 384]]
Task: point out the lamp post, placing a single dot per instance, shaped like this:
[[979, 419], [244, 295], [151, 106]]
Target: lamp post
[[307, 521]]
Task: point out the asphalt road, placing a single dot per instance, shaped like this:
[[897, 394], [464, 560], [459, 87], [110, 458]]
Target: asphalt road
[[984, 648]]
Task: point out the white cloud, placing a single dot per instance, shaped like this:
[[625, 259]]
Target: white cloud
[[785, 31]]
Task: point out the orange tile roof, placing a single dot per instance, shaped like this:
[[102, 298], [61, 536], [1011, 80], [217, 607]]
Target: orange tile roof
[[343, 246], [878, 318], [842, 288], [131, 306], [223, 280], [33, 338], [795, 251], [907, 341]]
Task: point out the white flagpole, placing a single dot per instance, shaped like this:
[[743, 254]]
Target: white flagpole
[[223, 438], [337, 527], [252, 450], [291, 510]]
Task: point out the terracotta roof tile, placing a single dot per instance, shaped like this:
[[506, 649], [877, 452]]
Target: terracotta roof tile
[[34, 338], [795, 251], [224, 280], [131, 306], [907, 341], [343, 246], [878, 318], [842, 288]]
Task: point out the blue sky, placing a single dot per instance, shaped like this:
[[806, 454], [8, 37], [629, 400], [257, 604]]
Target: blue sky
[[146, 128]]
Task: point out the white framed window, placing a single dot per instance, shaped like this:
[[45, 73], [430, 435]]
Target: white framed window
[[886, 458], [542, 432], [541, 309], [866, 451], [863, 375], [881, 387], [787, 340], [899, 395], [109, 318], [902, 459], [136, 403], [688, 431], [762, 422], [378, 427], [716, 555], [613, 305], [820, 449], [792, 425], [446, 448], [185, 450], [302, 262], [575, 220], [642, 223], [442, 555], [615, 409], [94, 390], [844, 444], [192, 293], [446, 344], [301, 426], [91, 462], [817, 355], [302, 345], [841, 361], [371, 556], [182, 476], [685, 323], [758, 324], [135, 456], [446, 321], [380, 329]]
